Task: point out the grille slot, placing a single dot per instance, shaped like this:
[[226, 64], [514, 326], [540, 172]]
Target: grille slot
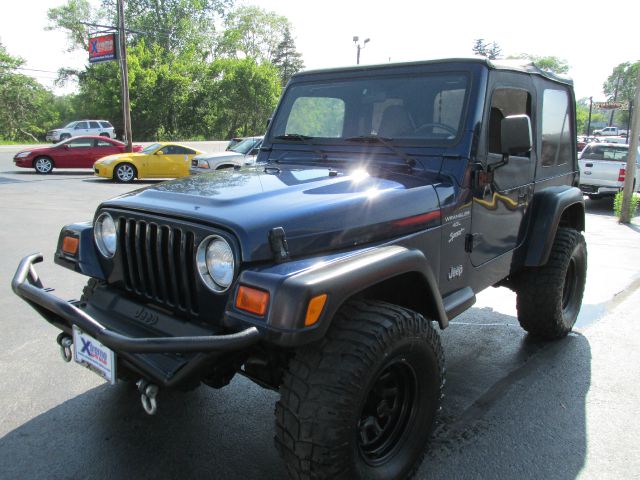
[[158, 263]]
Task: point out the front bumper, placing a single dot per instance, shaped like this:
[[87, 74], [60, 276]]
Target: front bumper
[[52, 137], [137, 351]]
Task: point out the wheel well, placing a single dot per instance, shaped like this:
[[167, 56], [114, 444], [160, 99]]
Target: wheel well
[[409, 290], [225, 166], [573, 217]]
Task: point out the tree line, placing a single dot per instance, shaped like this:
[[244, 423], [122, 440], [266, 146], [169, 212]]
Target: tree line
[[198, 69]]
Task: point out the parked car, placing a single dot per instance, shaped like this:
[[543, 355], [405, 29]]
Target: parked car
[[101, 128], [243, 153], [609, 131], [603, 169], [233, 142], [77, 152], [325, 275], [158, 160]]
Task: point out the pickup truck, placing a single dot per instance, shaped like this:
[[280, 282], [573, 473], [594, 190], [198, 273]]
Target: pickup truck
[[603, 168], [609, 131]]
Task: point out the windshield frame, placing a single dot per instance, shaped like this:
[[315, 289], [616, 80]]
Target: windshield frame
[[277, 130]]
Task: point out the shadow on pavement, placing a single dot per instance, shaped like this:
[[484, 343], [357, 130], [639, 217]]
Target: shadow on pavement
[[514, 408]]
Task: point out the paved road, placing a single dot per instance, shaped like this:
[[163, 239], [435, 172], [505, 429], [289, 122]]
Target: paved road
[[514, 408]]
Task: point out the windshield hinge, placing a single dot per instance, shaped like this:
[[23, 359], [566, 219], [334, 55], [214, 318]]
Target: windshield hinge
[[278, 244]]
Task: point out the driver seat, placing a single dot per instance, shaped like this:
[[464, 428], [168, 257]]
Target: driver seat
[[395, 122]]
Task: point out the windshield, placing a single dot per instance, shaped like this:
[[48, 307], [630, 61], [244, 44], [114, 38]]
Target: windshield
[[426, 109], [151, 148], [245, 146], [71, 125]]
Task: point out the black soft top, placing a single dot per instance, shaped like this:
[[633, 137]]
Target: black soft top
[[518, 65]]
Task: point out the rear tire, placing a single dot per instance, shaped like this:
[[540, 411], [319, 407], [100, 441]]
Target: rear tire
[[124, 173], [549, 297], [361, 403]]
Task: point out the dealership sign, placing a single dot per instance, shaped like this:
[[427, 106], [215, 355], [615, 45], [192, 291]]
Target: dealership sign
[[103, 48]]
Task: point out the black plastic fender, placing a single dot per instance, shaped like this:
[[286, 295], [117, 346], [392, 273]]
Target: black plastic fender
[[547, 209], [86, 260], [340, 279]]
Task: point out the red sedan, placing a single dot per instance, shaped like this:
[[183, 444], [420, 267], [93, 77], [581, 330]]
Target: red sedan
[[75, 152]]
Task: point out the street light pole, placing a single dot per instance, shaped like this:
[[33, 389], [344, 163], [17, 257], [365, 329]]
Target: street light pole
[[124, 76], [359, 47]]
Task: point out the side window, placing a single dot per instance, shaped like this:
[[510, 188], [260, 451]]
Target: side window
[[176, 150], [81, 143], [81, 125], [505, 102], [556, 142], [94, 125], [317, 117], [104, 143], [106, 125]]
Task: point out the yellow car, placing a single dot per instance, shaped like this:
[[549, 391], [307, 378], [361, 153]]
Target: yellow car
[[158, 160]]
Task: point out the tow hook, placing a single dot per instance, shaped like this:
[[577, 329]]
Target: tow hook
[[148, 394], [65, 342]]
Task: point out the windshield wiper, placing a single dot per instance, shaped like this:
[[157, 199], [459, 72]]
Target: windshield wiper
[[408, 159], [306, 139]]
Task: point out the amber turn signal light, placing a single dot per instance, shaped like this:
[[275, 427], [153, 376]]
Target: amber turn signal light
[[252, 300], [70, 245], [316, 305]]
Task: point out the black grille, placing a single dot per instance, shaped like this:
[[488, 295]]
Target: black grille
[[158, 263]]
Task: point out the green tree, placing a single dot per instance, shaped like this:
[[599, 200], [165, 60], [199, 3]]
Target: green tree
[[26, 107], [286, 58], [548, 63], [485, 49], [254, 32], [620, 86]]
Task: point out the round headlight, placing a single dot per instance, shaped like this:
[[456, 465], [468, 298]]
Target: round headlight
[[104, 232], [215, 263]]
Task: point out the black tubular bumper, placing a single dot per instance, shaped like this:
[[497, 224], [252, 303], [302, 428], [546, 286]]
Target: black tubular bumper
[[27, 285]]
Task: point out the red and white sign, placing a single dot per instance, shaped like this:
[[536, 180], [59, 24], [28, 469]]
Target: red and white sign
[[103, 48]]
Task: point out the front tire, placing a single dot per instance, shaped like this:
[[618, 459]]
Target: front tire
[[361, 403], [43, 165], [549, 297], [124, 173]]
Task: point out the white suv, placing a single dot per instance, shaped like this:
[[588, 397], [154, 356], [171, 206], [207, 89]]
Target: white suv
[[82, 127]]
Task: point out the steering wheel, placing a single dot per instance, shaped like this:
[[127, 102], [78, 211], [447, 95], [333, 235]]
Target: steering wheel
[[433, 125]]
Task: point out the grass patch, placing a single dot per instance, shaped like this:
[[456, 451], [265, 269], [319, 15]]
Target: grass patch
[[617, 204]]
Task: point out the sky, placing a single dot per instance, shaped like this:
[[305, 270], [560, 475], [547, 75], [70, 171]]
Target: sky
[[590, 35]]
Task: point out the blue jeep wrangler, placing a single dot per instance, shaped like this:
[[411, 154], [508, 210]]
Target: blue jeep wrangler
[[383, 200]]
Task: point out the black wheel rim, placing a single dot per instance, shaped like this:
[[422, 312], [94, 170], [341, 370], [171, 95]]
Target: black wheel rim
[[389, 406], [570, 284]]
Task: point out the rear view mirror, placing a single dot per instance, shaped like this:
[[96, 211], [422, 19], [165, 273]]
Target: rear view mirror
[[515, 134]]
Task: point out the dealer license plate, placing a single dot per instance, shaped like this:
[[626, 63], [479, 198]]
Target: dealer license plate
[[92, 354]]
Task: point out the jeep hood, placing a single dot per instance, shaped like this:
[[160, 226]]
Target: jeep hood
[[320, 209]]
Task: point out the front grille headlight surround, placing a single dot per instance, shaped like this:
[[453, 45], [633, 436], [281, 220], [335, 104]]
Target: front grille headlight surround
[[105, 235], [216, 263]]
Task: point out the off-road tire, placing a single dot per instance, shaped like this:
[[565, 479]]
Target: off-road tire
[[549, 296], [375, 357]]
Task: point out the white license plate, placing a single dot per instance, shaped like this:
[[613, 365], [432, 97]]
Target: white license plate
[[92, 354]]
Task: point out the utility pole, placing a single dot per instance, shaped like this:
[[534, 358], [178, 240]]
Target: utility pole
[[630, 171], [590, 109], [124, 76]]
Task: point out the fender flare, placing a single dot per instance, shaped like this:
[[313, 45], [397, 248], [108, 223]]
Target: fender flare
[[547, 209], [86, 261], [340, 279]]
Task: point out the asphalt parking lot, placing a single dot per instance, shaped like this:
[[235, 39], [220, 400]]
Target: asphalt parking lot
[[514, 407]]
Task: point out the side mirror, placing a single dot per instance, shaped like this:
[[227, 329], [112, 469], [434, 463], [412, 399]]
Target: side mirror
[[159, 152], [255, 151], [515, 134]]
